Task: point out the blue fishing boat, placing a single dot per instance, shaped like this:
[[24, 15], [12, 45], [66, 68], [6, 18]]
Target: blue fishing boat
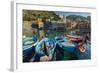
[[66, 44], [30, 41], [29, 46], [40, 47]]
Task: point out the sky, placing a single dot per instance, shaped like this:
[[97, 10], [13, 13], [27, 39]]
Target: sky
[[73, 13]]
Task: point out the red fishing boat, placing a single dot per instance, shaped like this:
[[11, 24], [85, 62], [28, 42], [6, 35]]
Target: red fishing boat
[[73, 38]]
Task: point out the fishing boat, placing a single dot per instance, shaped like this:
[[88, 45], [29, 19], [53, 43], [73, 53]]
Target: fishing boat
[[66, 44], [29, 46], [30, 41], [74, 38], [40, 46]]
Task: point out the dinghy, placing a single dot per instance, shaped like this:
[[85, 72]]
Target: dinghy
[[29, 46], [74, 38], [41, 46], [66, 44]]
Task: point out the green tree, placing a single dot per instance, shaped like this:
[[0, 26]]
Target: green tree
[[29, 15]]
